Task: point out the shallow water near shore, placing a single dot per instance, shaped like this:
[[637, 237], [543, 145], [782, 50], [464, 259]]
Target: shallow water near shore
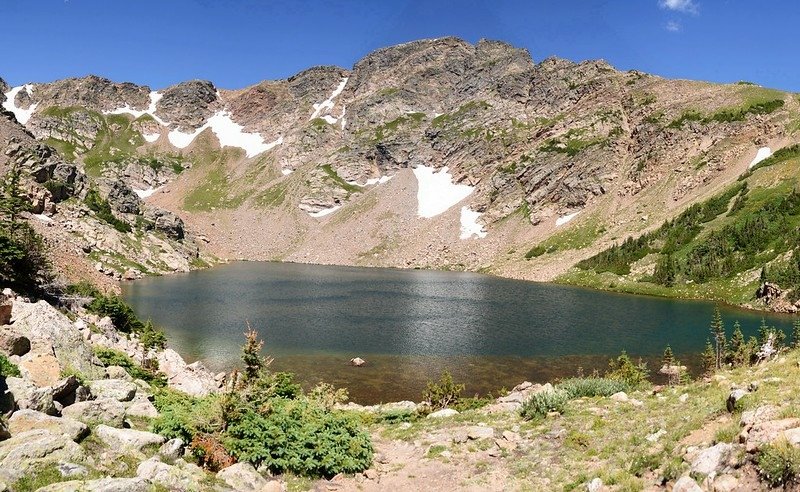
[[411, 324]]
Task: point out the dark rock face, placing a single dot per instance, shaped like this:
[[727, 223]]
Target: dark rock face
[[122, 198], [165, 221], [188, 104]]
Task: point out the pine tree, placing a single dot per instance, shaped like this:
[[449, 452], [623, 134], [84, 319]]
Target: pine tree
[[665, 271], [669, 358], [718, 334], [737, 351], [709, 358], [763, 277], [254, 363], [796, 334]]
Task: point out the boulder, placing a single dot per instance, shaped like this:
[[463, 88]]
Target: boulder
[[127, 439], [242, 477], [4, 432], [620, 396], [357, 361], [713, 459], [50, 331], [172, 449], [117, 372], [64, 390], [183, 477], [26, 420], [113, 389], [41, 369], [28, 396], [445, 412], [733, 399], [399, 406], [759, 414], [193, 379], [26, 452], [686, 484], [726, 483], [108, 411], [101, 485], [768, 431], [123, 199], [480, 432], [5, 313], [141, 407], [12, 343], [72, 470], [596, 485]]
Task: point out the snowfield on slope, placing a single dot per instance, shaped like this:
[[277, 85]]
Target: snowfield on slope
[[436, 191], [327, 104], [10, 104], [762, 154], [229, 133], [469, 224], [566, 218], [325, 211]]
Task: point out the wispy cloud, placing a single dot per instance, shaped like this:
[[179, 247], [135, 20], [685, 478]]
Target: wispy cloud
[[673, 26], [686, 6]]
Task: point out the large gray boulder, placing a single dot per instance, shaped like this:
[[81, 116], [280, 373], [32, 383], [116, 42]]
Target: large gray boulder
[[179, 477], [123, 199], [127, 439], [26, 420], [242, 476], [165, 221], [51, 332], [713, 459], [107, 411], [114, 389], [141, 408], [26, 452], [28, 396]]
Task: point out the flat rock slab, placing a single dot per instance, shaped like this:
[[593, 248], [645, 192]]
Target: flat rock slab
[[29, 451], [141, 408], [113, 389], [93, 412], [480, 432], [127, 439], [443, 413], [101, 485], [27, 420], [42, 369], [182, 476]]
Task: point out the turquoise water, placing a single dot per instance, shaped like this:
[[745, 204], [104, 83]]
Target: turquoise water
[[411, 324]]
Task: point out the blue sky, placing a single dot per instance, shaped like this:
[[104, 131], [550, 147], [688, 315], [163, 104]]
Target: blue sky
[[236, 43]]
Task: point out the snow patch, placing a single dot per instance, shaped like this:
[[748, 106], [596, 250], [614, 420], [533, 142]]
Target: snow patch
[[43, 217], [762, 154], [327, 104], [330, 119], [287, 172], [229, 133], [151, 137], [469, 224], [436, 191], [566, 218], [145, 193], [155, 96], [22, 115], [325, 211]]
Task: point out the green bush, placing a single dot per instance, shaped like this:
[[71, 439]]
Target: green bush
[[779, 463], [151, 337], [7, 368], [119, 311], [184, 416], [443, 393], [591, 387], [540, 404], [111, 357], [300, 437], [623, 369]]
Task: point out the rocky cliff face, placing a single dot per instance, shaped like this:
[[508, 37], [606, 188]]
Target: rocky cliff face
[[347, 166]]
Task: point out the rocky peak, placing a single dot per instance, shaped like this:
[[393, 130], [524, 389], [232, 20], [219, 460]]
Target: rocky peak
[[316, 82], [90, 92], [188, 104], [4, 87]]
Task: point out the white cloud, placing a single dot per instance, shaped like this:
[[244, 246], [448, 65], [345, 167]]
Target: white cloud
[[673, 26], [686, 6]]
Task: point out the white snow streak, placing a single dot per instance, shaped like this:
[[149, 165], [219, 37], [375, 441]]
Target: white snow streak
[[566, 218], [151, 137], [327, 104], [436, 191], [287, 172], [469, 224], [155, 96], [762, 154], [43, 217], [325, 211], [22, 115], [145, 193]]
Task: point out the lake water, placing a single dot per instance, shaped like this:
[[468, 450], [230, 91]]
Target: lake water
[[409, 325]]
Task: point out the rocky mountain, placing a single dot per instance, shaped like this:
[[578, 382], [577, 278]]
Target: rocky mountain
[[435, 153]]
